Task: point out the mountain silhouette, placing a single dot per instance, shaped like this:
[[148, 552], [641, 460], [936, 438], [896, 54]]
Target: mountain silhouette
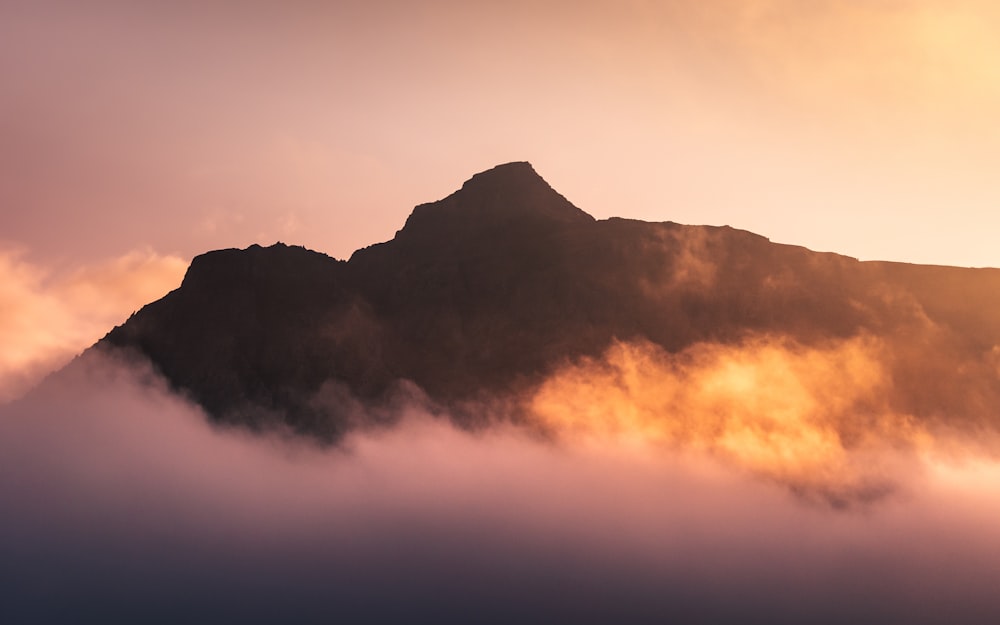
[[485, 292]]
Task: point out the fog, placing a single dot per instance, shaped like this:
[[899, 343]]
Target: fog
[[122, 504]]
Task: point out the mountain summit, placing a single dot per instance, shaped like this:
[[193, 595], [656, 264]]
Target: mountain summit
[[508, 197], [489, 290], [505, 193]]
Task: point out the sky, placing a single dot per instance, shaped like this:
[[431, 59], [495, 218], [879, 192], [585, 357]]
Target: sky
[[861, 127]]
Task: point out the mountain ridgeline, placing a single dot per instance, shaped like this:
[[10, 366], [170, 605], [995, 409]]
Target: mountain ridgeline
[[486, 292]]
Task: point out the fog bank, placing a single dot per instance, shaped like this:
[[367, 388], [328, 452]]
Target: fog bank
[[123, 504]]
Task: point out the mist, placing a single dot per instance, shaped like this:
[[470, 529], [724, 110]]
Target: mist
[[122, 503]]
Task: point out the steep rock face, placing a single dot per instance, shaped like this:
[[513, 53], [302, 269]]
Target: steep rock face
[[496, 285], [250, 334]]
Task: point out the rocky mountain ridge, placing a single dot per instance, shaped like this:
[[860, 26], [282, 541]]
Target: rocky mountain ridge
[[487, 291]]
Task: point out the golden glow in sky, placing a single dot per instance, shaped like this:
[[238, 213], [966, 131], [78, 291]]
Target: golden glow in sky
[[867, 128]]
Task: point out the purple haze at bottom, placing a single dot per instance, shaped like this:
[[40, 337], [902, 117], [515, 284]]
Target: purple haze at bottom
[[121, 504]]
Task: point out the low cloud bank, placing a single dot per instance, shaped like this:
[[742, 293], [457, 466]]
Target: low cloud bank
[[817, 419], [122, 504]]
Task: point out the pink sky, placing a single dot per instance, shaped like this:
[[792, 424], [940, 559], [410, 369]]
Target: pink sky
[[866, 128]]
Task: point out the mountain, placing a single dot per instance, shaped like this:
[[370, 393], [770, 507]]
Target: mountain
[[485, 292]]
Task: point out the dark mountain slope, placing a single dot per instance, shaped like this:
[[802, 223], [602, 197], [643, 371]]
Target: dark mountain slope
[[492, 287]]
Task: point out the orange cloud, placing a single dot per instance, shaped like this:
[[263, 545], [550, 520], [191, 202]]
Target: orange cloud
[[46, 316], [814, 418]]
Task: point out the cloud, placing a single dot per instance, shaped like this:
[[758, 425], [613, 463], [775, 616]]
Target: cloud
[[816, 419], [844, 421], [121, 503], [47, 316]]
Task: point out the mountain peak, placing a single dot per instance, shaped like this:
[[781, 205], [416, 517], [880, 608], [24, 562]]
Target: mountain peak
[[498, 286], [515, 173], [508, 194]]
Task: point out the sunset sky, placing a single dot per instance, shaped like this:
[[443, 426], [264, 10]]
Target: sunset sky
[[862, 127]]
